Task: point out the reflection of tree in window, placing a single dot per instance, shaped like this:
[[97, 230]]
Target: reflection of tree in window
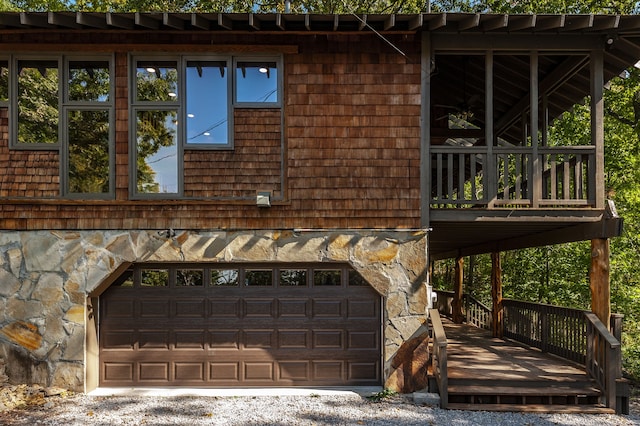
[[88, 147], [326, 277], [293, 277], [155, 278], [189, 277], [259, 278], [37, 102], [157, 81], [224, 277], [4, 81], [89, 81]]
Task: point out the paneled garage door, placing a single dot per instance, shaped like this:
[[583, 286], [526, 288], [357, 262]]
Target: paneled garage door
[[224, 325]]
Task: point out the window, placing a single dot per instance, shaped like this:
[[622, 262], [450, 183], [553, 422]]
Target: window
[[64, 103], [199, 91]]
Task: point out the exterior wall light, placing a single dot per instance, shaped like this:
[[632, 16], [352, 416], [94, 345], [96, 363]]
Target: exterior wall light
[[263, 199]]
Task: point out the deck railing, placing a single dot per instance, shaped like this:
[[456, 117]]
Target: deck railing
[[471, 176], [603, 359], [475, 312], [439, 357], [554, 329]]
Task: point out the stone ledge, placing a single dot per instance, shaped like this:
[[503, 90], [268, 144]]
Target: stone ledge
[[426, 398]]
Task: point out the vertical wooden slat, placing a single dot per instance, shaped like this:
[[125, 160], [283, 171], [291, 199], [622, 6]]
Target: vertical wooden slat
[[490, 169], [496, 295], [597, 128], [578, 177], [439, 173], [599, 280], [472, 178], [518, 182], [505, 172], [456, 305], [449, 195], [554, 176], [461, 176], [536, 194], [566, 180]]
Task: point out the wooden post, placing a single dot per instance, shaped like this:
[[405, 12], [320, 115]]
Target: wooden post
[[599, 280], [496, 294], [456, 305]]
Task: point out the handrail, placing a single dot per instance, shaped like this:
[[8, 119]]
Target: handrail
[[603, 358], [475, 312], [439, 358], [553, 329]]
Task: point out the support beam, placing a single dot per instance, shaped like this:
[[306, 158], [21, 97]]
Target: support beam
[[599, 280], [496, 295], [456, 305]]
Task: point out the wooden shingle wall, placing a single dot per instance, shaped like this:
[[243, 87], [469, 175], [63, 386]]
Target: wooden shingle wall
[[342, 152]]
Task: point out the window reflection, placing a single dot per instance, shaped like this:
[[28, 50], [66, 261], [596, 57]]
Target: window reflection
[[89, 81], [157, 151], [189, 277], [293, 277], [157, 81], [256, 82], [88, 151], [322, 278], [207, 102], [38, 101], [154, 278], [4, 81], [224, 277], [259, 278]]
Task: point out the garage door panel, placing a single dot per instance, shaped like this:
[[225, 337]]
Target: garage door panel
[[328, 371], [155, 308], [189, 340], [153, 339], [224, 308], [258, 339], [123, 340], [190, 309], [209, 335], [327, 308], [259, 371], [294, 370], [154, 371], [117, 371], [189, 371], [224, 371], [227, 339], [293, 339], [362, 340]]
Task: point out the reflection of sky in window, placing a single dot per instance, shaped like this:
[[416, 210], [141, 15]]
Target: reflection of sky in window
[[207, 114], [256, 82], [165, 162]]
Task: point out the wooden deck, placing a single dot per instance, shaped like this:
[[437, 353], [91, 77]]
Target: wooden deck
[[486, 373]]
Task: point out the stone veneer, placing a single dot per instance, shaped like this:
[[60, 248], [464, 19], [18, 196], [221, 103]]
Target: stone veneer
[[46, 276]]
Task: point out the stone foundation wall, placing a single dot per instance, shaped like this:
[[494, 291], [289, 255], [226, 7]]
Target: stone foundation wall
[[45, 277]]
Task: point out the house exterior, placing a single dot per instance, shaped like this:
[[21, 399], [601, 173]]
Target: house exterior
[[253, 200]]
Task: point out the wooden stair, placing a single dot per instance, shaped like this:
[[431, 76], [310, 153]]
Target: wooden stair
[[526, 396]]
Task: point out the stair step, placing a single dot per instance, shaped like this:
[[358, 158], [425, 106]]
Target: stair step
[[533, 408], [549, 390]]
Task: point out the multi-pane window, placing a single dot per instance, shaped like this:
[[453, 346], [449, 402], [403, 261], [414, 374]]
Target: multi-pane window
[[65, 104], [187, 102]]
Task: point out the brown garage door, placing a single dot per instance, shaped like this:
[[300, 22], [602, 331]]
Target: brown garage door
[[224, 325]]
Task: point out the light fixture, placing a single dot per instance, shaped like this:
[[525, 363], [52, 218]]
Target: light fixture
[[172, 94], [263, 199], [151, 70], [190, 115], [207, 134], [263, 70]]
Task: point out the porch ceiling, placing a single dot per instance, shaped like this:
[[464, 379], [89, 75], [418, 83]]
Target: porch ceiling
[[464, 232]]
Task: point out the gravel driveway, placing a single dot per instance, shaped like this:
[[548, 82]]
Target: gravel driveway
[[311, 409]]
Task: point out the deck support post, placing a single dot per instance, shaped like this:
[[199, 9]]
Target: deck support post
[[456, 305], [599, 280], [496, 294]]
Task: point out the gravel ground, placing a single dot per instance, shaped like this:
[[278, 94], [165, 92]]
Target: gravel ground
[[278, 411]]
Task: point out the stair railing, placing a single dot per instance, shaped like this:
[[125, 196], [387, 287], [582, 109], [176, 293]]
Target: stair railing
[[439, 357], [603, 358]]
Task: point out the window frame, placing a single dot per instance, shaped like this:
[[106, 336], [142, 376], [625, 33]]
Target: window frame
[[69, 105], [180, 104]]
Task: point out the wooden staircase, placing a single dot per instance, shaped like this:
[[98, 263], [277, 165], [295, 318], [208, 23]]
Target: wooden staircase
[[490, 374]]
